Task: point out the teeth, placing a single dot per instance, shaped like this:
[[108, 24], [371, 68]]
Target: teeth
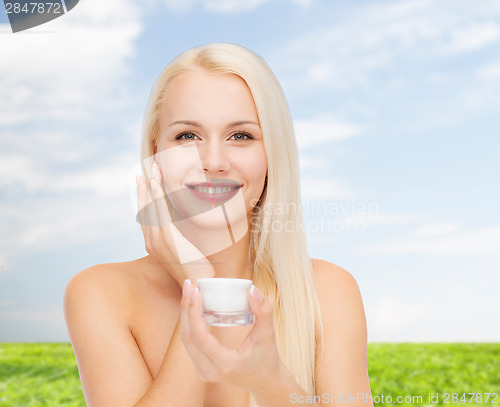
[[214, 190]]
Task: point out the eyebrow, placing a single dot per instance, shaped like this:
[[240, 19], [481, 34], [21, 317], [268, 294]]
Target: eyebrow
[[196, 124]]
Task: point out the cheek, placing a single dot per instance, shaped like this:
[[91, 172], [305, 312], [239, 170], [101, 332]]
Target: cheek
[[175, 163], [260, 166], [255, 167]]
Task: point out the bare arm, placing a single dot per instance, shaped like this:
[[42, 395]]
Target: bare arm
[[112, 369], [177, 380]]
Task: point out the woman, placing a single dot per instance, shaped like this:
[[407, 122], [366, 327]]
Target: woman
[[221, 173]]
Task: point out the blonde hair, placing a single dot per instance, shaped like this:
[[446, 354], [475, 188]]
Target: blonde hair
[[282, 267]]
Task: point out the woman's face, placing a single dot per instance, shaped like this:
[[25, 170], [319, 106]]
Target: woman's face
[[210, 148]]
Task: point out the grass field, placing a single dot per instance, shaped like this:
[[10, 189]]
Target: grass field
[[46, 374]]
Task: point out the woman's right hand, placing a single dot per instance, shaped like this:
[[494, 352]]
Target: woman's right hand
[[163, 239]]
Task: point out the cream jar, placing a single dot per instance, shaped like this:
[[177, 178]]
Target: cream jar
[[225, 301]]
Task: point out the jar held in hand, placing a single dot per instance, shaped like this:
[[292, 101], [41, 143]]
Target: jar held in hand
[[225, 301]]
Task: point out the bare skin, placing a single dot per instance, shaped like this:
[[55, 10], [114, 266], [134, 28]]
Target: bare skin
[[139, 342], [148, 299], [145, 305]]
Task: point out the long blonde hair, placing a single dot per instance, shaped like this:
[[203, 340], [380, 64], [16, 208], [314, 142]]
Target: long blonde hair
[[282, 267]]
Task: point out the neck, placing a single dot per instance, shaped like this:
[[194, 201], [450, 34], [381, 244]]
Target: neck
[[227, 251], [233, 262]]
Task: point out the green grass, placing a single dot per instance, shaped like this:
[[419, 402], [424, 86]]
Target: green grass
[[46, 374], [39, 375], [417, 369]]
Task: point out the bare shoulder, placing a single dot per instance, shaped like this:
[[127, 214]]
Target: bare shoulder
[[103, 281], [97, 296], [329, 277], [96, 277], [340, 299], [119, 283], [116, 292]]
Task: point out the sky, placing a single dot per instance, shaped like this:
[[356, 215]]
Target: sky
[[395, 106]]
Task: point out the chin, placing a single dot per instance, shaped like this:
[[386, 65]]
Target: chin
[[213, 229], [215, 219]]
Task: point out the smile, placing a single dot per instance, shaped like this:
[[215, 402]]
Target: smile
[[215, 190]]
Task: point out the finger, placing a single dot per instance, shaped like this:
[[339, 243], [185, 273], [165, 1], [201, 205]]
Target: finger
[[158, 195], [201, 362], [208, 344], [162, 215], [199, 330], [143, 203], [159, 179], [192, 313], [262, 310], [189, 295], [160, 230]]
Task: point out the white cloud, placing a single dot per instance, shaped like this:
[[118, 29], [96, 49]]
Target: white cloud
[[60, 209], [483, 240], [474, 36], [180, 5], [104, 180], [216, 6], [320, 130], [490, 72], [484, 96], [55, 84], [73, 68], [307, 162], [318, 188], [435, 229], [315, 133], [307, 4], [231, 6], [341, 213], [456, 315], [369, 214], [377, 38]]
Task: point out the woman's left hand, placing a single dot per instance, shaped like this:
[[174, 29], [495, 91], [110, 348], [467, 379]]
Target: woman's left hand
[[255, 365]]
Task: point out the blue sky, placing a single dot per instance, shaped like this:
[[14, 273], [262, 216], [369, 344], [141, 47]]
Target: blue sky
[[395, 105]]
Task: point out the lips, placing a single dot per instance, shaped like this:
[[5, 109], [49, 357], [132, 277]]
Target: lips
[[215, 190]]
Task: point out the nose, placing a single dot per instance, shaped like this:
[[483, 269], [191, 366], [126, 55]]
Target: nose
[[214, 157]]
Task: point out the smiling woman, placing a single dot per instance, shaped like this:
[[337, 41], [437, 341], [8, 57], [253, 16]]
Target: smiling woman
[[218, 147]]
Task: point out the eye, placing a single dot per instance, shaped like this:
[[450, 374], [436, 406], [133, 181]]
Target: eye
[[241, 136], [188, 136]]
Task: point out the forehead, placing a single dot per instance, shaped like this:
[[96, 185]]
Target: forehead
[[207, 97]]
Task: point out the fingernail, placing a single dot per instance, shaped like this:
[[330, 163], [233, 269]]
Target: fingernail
[[256, 294], [193, 296], [186, 287], [153, 183], [153, 173]]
